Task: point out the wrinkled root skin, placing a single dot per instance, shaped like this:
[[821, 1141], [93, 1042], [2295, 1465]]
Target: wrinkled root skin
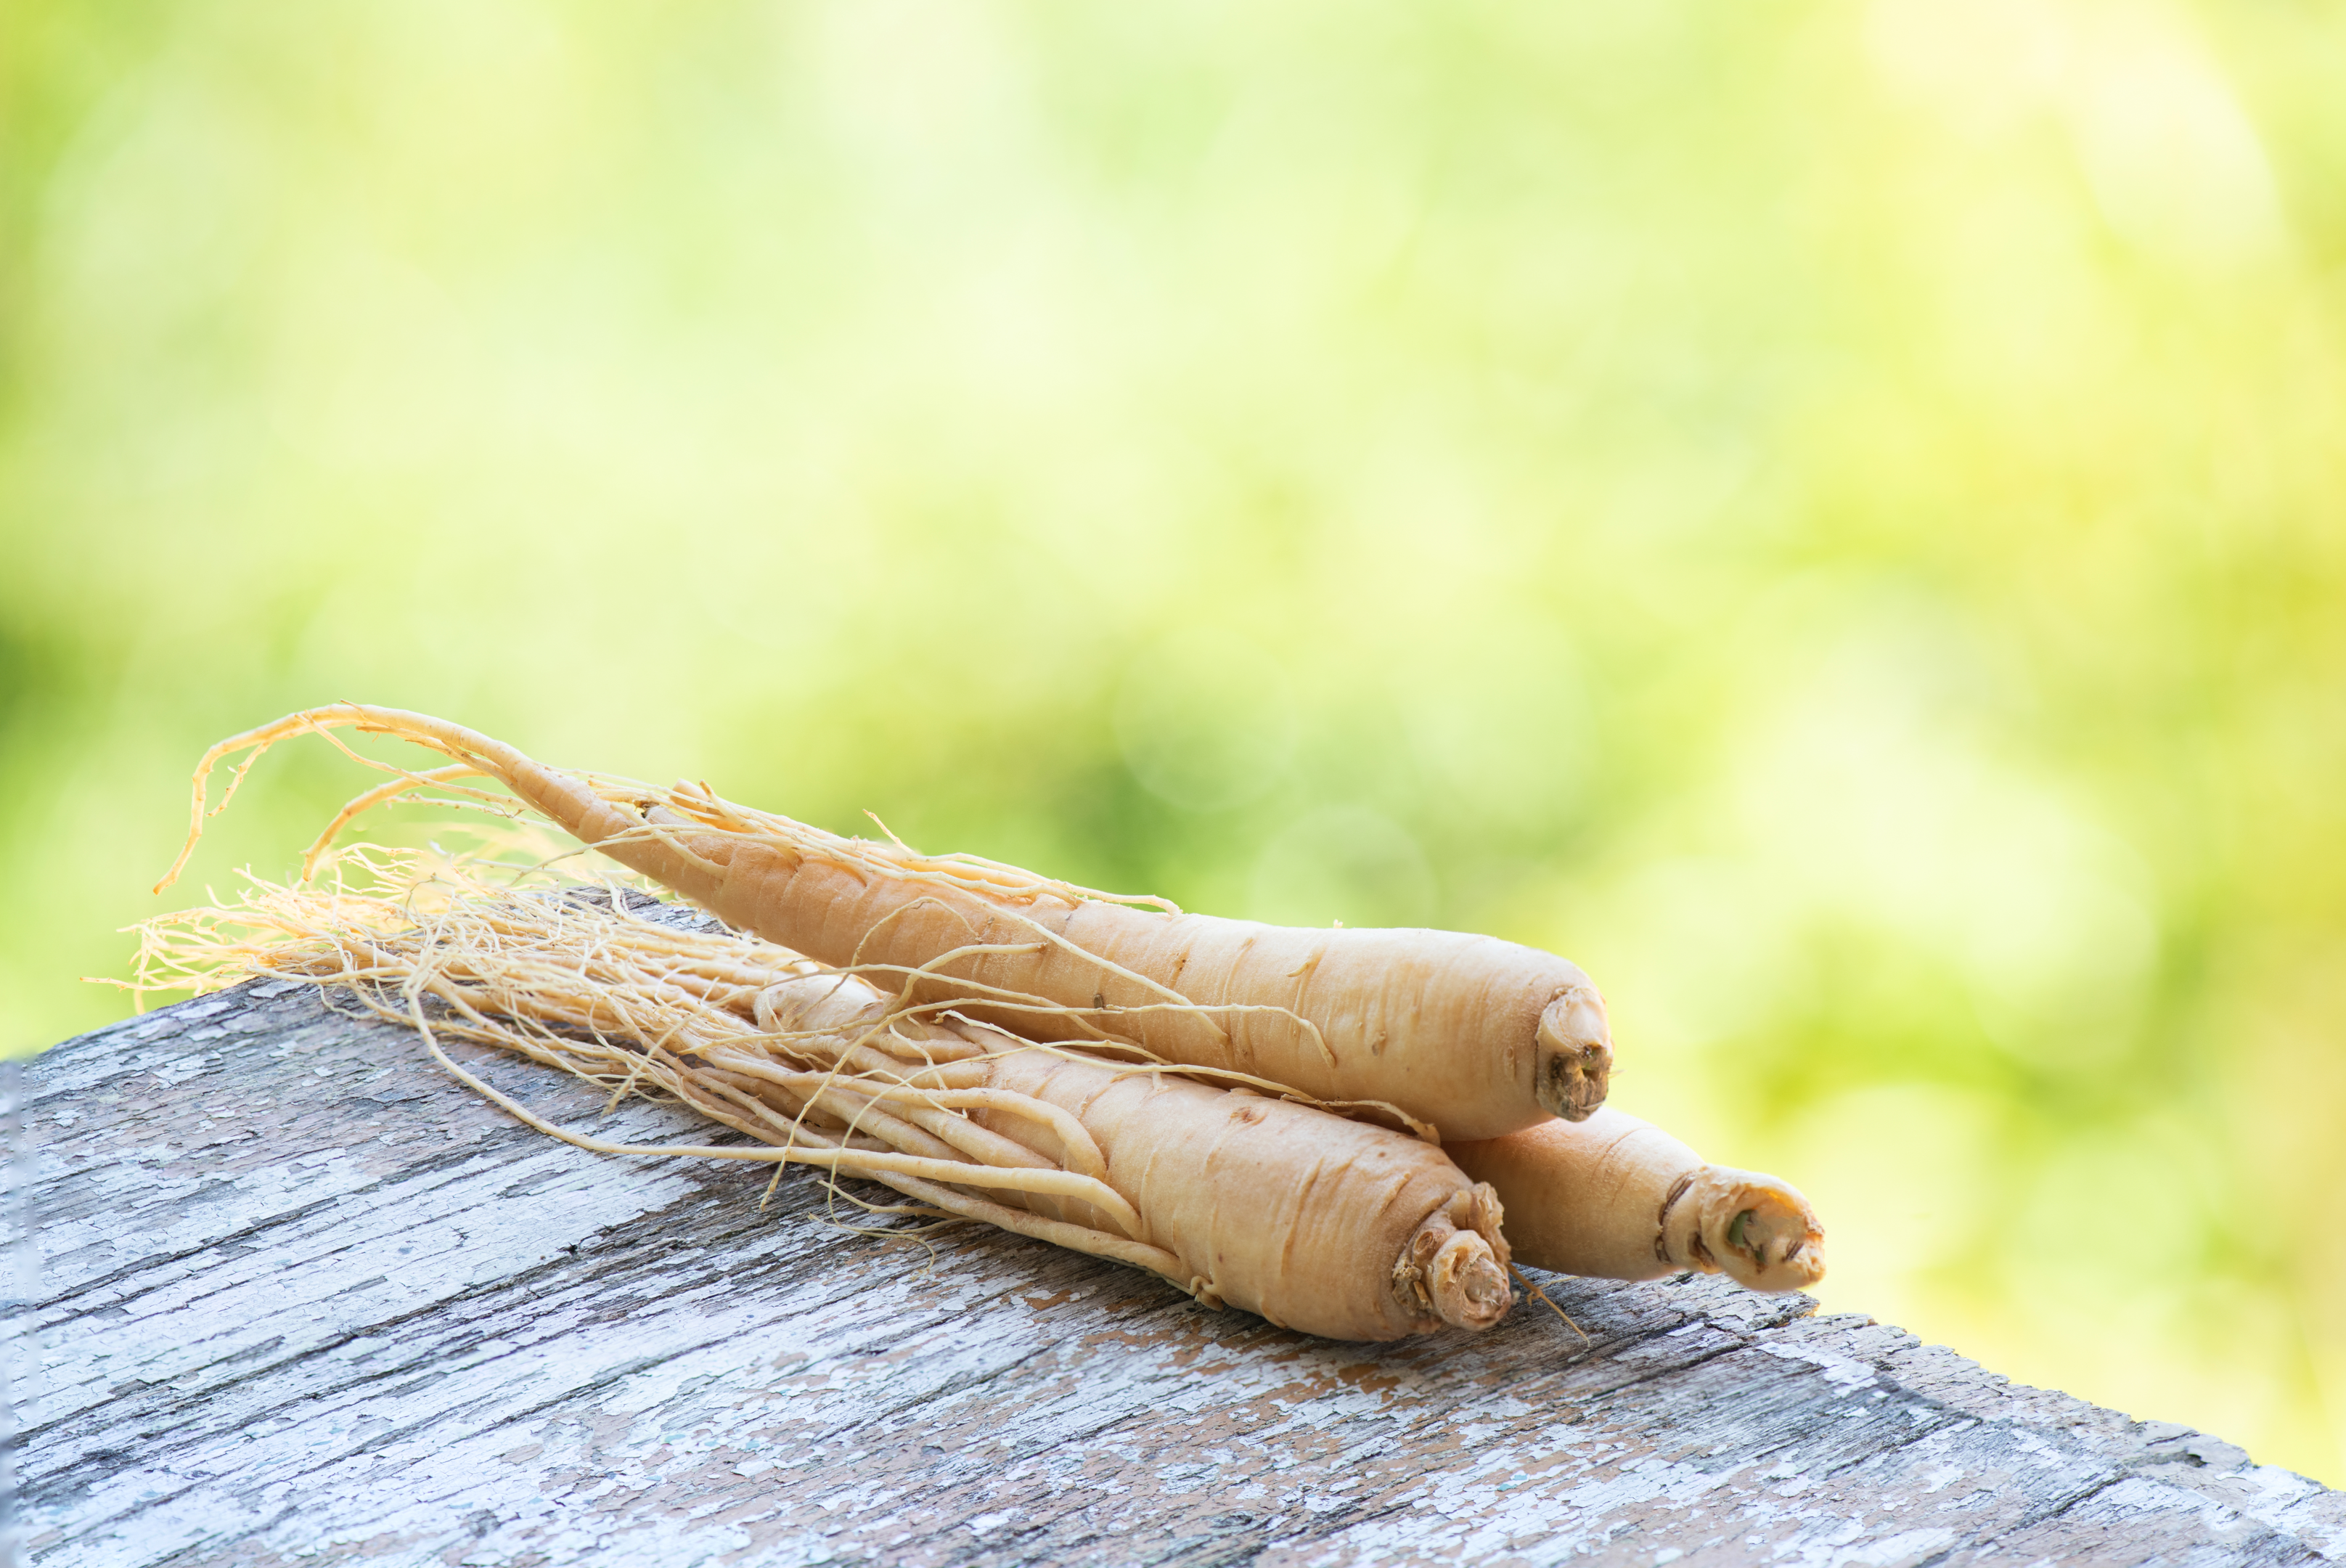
[[1453, 1269], [1757, 1231], [1575, 1056]]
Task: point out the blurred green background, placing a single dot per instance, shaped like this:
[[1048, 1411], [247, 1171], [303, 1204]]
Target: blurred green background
[[1828, 514]]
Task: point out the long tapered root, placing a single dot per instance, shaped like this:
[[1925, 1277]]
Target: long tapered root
[[1464, 1036]]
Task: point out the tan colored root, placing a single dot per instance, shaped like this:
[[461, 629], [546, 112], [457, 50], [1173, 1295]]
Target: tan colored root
[[588, 989], [1257, 1201], [835, 1156], [1477, 1037], [1616, 1197], [657, 817], [1058, 1233]]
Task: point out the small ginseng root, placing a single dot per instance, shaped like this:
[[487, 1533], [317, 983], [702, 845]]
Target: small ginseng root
[[1333, 1227], [1467, 1035], [1618, 1199]]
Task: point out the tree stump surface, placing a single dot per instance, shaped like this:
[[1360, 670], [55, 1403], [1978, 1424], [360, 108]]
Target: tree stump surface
[[304, 1299]]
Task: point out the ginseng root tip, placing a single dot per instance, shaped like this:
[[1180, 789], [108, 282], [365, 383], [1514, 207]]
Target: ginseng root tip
[[1759, 1230], [1467, 1283]]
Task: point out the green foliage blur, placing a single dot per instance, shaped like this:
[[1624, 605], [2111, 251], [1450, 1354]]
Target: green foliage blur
[[1828, 514]]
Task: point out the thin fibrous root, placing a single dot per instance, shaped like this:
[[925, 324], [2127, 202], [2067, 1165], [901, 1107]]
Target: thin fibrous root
[[578, 986]]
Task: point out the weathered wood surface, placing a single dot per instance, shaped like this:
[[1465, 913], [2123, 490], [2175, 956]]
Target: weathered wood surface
[[305, 1299]]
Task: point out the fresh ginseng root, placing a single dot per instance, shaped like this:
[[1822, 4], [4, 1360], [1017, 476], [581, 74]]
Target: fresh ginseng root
[[1618, 1199]]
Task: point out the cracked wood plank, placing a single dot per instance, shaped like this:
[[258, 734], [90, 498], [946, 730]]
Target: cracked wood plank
[[304, 1299]]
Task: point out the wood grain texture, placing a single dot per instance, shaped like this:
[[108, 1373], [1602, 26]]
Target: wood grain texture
[[304, 1299]]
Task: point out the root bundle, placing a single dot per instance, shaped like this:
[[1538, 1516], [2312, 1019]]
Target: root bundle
[[1257, 1114], [1336, 1226]]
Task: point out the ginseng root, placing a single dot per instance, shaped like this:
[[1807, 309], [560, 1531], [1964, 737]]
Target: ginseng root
[[1471, 1035], [1618, 1199], [1331, 1227]]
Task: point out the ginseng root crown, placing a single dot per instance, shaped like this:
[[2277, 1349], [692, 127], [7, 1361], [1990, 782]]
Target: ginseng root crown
[[1575, 1056], [1455, 1267]]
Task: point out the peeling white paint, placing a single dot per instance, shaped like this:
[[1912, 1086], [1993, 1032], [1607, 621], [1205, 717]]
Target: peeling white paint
[[1840, 1372]]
